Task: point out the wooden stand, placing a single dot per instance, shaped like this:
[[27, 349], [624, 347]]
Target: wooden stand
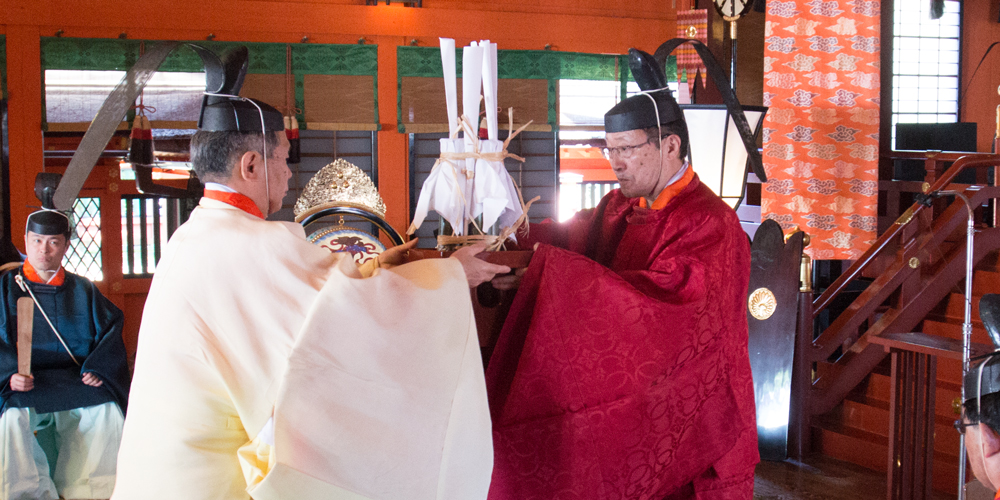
[[911, 409]]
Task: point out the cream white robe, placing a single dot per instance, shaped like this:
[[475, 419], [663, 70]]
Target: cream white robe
[[375, 385]]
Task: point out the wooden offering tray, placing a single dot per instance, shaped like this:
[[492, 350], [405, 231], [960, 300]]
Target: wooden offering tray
[[489, 304]]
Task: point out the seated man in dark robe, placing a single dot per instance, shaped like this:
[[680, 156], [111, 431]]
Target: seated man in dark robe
[[622, 370], [79, 380]]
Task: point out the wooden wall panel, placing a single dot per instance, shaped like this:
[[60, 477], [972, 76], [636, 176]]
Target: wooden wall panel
[[979, 103]]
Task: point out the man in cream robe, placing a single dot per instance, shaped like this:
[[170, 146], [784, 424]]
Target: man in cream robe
[[268, 367]]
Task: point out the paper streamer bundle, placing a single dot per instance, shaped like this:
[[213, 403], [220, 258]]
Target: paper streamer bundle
[[469, 179]]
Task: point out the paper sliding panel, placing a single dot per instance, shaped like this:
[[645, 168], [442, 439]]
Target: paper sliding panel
[[339, 99], [266, 88], [424, 109]]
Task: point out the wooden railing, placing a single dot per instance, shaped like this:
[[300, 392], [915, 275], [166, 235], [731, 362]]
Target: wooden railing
[[913, 265]]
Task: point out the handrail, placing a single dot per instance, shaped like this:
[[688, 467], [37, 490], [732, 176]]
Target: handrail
[[887, 282], [971, 160]]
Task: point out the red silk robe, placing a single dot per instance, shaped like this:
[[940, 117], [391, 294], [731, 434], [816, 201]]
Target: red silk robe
[[622, 370]]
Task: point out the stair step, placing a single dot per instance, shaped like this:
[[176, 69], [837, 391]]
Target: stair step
[[873, 417], [952, 329], [871, 451], [955, 307], [878, 385], [985, 281]]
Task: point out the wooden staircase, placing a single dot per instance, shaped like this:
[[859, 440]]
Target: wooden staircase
[[857, 429], [841, 380]]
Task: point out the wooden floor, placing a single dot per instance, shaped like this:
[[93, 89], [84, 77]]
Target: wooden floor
[[820, 478]]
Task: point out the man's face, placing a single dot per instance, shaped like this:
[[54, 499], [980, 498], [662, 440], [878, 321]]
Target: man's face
[[637, 167], [278, 174], [45, 252], [973, 445]]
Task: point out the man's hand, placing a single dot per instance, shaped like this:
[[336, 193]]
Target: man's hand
[[509, 281], [396, 255], [22, 383], [92, 380], [477, 270]]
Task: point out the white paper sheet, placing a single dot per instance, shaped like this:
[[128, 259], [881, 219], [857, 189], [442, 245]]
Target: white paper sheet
[[490, 87], [472, 80], [450, 83]]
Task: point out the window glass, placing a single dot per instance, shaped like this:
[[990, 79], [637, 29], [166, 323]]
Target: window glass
[[925, 64]]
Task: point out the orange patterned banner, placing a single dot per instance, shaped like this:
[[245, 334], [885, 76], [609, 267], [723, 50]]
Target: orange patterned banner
[[692, 24], [821, 82]]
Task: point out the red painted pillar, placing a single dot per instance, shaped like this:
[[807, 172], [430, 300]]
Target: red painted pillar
[[24, 90], [393, 164]]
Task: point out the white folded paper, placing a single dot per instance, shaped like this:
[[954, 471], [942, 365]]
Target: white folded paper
[[490, 87], [450, 84], [444, 191]]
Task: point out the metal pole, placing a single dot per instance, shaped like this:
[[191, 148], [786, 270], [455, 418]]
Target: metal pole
[[966, 326], [732, 63]]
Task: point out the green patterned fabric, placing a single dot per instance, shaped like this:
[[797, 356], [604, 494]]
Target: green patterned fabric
[[523, 64], [265, 58], [527, 64], [316, 59], [103, 54], [95, 54]]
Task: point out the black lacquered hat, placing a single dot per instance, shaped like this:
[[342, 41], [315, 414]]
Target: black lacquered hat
[[221, 111], [986, 371], [48, 223], [639, 112]]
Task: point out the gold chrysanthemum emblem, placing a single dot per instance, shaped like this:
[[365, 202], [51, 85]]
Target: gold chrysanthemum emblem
[[762, 303]]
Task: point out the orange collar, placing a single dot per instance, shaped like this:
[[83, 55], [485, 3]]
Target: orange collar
[[32, 275], [240, 201], [670, 191]]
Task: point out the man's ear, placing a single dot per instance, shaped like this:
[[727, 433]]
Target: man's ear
[[990, 439], [248, 165], [672, 145]]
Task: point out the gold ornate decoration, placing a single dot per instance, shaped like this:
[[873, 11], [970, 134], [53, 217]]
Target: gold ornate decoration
[[762, 303], [914, 262], [906, 217], [692, 31], [339, 184]]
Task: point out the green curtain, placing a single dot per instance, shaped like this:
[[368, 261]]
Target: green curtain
[[523, 64], [102, 54]]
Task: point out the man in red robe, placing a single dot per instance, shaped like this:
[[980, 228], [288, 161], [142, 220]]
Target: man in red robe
[[622, 370]]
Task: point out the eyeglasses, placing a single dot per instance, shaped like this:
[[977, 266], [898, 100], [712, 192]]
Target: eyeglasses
[[623, 152], [960, 426]]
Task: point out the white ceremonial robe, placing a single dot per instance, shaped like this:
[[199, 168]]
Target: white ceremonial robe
[[81, 444], [375, 385]]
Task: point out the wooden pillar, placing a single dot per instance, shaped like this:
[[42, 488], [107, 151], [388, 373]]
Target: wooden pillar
[[393, 168], [24, 89]]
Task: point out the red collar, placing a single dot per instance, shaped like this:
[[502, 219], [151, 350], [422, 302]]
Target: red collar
[[32, 275], [237, 200]]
